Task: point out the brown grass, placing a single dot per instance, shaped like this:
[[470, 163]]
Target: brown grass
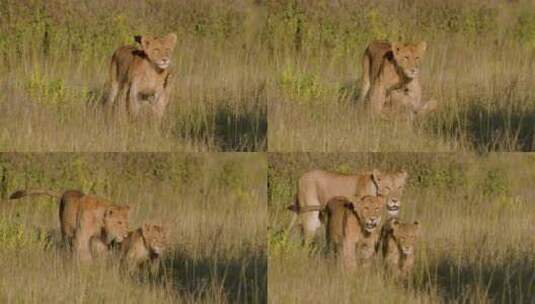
[[212, 205], [476, 246]]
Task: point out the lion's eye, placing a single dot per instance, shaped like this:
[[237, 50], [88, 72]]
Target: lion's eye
[[366, 208], [406, 58], [156, 50], [119, 222]]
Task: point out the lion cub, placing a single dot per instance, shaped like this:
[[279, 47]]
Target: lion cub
[[145, 244], [398, 245], [390, 78], [352, 227], [142, 74]]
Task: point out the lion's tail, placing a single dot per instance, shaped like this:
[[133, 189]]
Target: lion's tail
[[22, 193], [296, 209]]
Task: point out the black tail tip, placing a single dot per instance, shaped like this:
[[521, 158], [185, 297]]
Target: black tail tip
[[293, 208], [137, 38], [17, 194]]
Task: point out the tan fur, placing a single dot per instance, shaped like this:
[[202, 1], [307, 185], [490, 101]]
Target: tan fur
[[145, 244], [317, 187], [398, 246], [86, 220], [390, 78], [138, 74], [352, 227]]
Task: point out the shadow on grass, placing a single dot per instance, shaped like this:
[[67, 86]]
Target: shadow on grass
[[240, 280], [488, 127], [240, 131], [512, 281]]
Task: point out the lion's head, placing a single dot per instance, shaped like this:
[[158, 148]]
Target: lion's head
[[115, 223], [158, 49], [405, 235], [390, 185], [408, 57], [369, 210], [154, 239]]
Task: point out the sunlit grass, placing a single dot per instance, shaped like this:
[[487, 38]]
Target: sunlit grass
[[475, 247], [213, 208]]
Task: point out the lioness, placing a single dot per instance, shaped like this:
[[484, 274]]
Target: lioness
[[352, 227], [317, 187], [398, 245], [390, 78], [142, 74], [145, 244], [86, 220]]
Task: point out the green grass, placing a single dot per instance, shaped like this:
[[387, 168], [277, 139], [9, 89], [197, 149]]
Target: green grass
[[213, 207], [476, 245], [54, 59], [236, 59], [477, 66]]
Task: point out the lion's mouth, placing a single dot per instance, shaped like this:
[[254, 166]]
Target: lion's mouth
[[163, 64], [392, 208], [154, 254], [370, 226], [407, 251]]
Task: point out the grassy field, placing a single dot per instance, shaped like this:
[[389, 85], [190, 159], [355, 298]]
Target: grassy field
[[54, 58], [243, 64], [212, 205], [478, 66], [477, 244]]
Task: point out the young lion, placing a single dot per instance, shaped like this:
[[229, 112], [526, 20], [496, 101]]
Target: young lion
[[390, 78], [352, 227], [86, 220], [142, 74], [398, 246], [146, 244], [317, 187]]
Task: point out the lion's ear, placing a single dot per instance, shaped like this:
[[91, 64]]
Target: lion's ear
[[377, 176], [403, 175], [422, 46], [170, 39], [352, 202], [396, 48], [145, 228], [418, 226], [145, 42]]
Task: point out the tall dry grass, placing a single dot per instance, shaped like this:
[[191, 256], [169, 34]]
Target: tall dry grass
[[478, 67], [54, 59], [213, 207], [476, 246], [237, 58]]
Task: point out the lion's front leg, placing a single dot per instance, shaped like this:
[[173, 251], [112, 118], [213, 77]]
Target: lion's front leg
[[348, 254], [160, 103], [98, 247], [133, 104], [377, 99], [82, 246]]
